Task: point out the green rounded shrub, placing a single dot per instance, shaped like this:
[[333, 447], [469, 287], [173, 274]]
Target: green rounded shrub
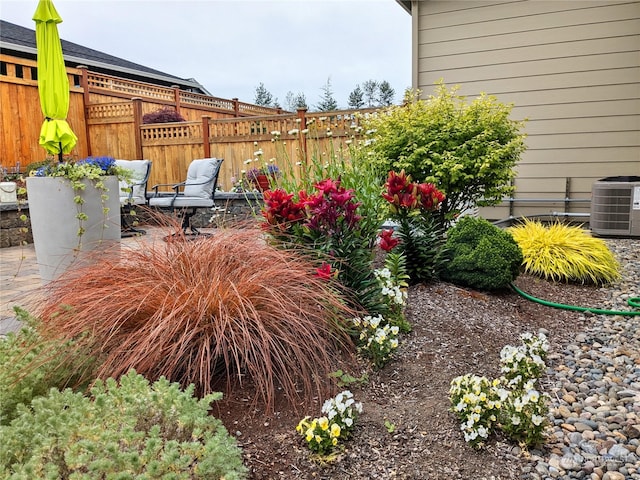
[[124, 430], [480, 255]]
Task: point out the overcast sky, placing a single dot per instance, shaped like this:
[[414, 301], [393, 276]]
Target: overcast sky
[[230, 46]]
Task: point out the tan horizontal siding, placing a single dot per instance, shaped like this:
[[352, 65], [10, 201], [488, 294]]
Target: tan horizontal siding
[[572, 68], [553, 170], [610, 63], [582, 140], [618, 123], [467, 12], [621, 76], [593, 13], [537, 95], [596, 108], [432, 46], [536, 53], [627, 155]]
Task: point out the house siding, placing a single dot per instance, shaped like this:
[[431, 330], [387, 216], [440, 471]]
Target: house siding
[[571, 68]]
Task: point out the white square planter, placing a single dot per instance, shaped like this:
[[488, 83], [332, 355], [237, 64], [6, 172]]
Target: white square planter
[[55, 225]]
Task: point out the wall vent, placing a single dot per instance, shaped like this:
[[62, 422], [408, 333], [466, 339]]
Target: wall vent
[[615, 206]]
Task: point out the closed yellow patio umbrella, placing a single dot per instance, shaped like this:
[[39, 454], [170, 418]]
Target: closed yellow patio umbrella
[[56, 135]]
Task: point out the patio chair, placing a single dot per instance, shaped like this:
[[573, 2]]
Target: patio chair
[[133, 193], [197, 191]]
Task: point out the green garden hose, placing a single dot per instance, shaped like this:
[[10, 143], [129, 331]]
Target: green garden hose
[[633, 302]]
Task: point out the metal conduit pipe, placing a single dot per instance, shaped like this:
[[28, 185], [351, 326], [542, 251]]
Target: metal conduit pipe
[[512, 218]]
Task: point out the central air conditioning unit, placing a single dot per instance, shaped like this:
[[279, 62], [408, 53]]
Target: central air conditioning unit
[[615, 207]]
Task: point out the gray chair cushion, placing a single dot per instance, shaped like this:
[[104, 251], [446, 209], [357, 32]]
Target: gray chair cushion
[[180, 201], [198, 173], [140, 170]]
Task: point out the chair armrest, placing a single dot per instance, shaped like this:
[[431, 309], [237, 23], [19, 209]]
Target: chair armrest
[[174, 186]]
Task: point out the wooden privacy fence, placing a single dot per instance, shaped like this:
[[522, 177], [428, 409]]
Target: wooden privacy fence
[[101, 111], [285, 140]]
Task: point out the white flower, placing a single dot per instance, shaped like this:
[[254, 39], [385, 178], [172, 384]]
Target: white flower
[[515, 420], [248, 161], [293, 131], [275, 133], [537, 419], [375, 321], [258, 153]]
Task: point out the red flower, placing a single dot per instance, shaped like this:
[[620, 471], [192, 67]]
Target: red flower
[[387, 242], [328, 186], [430, 196], [279, 209], [324, 271], [401, 192]]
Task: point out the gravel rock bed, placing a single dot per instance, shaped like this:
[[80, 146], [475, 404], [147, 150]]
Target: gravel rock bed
[[595, 385]]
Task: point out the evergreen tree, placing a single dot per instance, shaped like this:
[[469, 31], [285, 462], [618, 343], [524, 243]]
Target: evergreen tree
[[370, 89], [385, 94], [327, 101], [356, 98], [294, 101], [263, 96]]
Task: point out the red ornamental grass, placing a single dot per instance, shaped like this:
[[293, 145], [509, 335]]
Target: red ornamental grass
[[222, 307]]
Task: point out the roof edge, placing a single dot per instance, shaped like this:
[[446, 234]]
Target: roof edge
[[92, 63], [406, 4]]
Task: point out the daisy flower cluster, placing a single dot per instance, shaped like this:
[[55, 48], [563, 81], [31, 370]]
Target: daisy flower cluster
[[524, 415], [377, 340], [323, 434], [394, 292], [512, 402], [476, 401], [526, 361]]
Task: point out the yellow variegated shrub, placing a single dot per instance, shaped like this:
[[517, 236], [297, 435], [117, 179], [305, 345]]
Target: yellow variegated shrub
[[565, 253]]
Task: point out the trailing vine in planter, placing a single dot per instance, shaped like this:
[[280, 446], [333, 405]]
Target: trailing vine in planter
[[93, 169]]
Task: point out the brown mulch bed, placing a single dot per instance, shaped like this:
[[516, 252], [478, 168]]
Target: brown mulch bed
[[455, 331]]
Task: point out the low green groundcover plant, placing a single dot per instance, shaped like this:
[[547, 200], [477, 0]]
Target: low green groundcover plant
[[511, 403], [565, 253], [30, 366], [124, 430], [480, 255]]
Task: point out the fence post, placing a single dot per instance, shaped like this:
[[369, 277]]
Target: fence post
[[302, 136], [84, 83], [205, 136], [137, 122], [236, 107], [176, 97]]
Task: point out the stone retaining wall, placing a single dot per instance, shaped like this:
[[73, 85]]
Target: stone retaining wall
[[231, 208]]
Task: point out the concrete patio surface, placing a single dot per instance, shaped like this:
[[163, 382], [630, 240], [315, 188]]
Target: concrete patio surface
[[20, 277]]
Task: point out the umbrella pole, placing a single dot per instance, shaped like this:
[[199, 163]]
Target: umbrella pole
[[60, 155]]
